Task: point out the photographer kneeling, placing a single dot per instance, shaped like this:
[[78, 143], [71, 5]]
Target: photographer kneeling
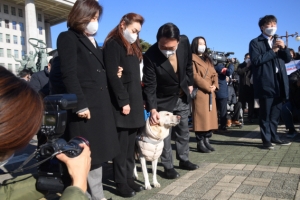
[[17, 127]]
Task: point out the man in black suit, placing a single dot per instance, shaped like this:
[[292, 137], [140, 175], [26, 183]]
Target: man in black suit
[[268, 56], [168, 82]]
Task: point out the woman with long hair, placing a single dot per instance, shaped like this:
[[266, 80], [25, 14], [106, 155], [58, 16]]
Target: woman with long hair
[[122, 48], [205, 117], [83, 74]]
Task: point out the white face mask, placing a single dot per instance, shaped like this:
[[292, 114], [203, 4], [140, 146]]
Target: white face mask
[[130, 37], [168, 53], [201, 48], [92, 28], [2, 163], [247, 60], [271, 31]]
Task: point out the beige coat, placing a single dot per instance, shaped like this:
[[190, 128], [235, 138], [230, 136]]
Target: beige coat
[[204, 119]]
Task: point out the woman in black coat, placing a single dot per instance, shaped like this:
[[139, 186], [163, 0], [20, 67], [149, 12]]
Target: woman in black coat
[[122, 48], [83, 74]]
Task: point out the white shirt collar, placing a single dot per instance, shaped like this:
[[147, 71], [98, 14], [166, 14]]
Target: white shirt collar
[[270, 40]]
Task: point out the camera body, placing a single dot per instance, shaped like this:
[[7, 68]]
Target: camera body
[[52, 174], [220, 57]]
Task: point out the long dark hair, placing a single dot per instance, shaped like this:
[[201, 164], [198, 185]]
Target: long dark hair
[[194, 48], [117, 32], [21, 112]]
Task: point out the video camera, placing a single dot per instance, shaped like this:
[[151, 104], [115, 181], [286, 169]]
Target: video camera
[[52, 172], [220, 57]]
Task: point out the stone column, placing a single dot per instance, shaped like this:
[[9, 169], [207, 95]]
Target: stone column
[[48, 35], [31, 23]]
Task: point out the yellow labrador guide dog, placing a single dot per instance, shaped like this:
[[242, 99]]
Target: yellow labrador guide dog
[[150, 144]]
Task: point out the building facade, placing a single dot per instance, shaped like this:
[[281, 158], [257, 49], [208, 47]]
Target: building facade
[[21, 20]]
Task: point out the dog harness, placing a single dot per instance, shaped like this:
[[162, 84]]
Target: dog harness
[[150, 148]]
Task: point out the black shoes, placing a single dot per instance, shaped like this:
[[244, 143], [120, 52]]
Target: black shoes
[[291, 133], [207, 144], [201, 147], [273, 143], [124, 190], [133, 185], [187, 165], [171, 173], [281, 142], [268, 146]]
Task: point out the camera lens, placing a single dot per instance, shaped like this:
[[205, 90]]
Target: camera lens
[[76, 148]]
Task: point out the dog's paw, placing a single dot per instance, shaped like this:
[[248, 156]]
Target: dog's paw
[[148, 186], [156, 184]]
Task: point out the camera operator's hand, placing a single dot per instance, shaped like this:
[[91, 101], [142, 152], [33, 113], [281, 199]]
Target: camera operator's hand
[[85, 114], [126, 109], [154, 117], [78, 167]]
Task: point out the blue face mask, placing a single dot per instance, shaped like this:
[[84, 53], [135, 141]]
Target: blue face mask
[[4, 162]]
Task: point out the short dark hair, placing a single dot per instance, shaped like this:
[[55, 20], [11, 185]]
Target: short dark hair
[[81, 14], [24, 72], [168, 30], [247, 54], [194, 48], [266, 19]]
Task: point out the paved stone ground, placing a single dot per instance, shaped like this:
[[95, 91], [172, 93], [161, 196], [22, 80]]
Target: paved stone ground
[[238, 169]]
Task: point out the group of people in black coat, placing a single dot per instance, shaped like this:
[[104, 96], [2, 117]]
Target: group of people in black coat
[[110, 107]]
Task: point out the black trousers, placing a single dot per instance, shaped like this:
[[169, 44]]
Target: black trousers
[[222, 108], [236, 112], [123, 163], [248, 96], [269, 113], [200, 135]]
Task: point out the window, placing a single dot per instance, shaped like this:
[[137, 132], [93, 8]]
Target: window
[[21, 26], [6, 23], [17, 66], [9, 67], [1, 37], [7, 38], [40, 30], [0, 20], [9, 53], [1, 53], [23, 53], [13, 11], [22, 40], [5, 9], [16, 53], [14, 25], [15, 39], [39, 17], [20, 11]]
